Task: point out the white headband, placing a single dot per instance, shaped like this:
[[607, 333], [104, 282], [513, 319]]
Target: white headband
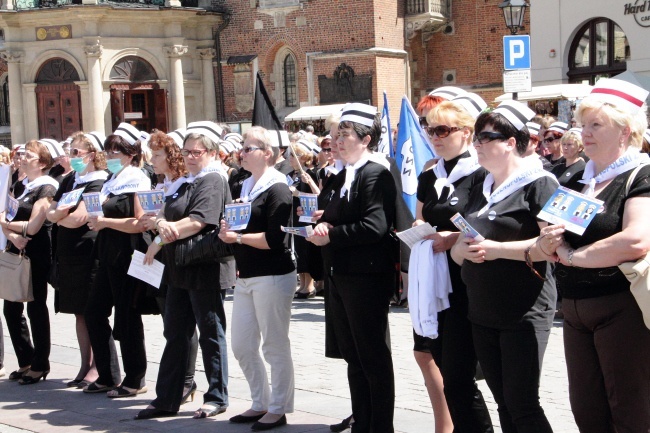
[[128, 132], [97, 139], [53, 146], [515, 112], [359, 113], [207, 129]]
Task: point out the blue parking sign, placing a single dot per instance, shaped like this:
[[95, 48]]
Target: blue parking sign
[[516, 52]]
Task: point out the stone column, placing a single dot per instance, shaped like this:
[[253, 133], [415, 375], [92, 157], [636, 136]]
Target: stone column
[[95, 89], [175, 52], [13, 59], [30, 112], [207, 80]]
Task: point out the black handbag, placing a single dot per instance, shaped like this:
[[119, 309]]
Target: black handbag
[[203, 248]]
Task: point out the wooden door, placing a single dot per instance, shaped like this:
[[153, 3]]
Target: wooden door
[[59, 110], [142, 105]]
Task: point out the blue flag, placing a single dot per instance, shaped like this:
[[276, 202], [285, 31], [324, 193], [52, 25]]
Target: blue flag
[[413, 151], [385, 145]]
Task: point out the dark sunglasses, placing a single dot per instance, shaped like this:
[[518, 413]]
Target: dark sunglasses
[[487, 136], [423, 122], [326, 150], [77, 152], [250, 149], [441, 131], [549, 140]]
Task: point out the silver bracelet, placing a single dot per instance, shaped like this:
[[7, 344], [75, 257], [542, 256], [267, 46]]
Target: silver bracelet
[[569, 256]]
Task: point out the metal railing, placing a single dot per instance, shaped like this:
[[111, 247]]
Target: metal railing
[[417, 7]]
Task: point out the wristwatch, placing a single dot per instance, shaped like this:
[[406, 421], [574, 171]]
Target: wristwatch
[[569, 256], [239, 235], [158, 241]]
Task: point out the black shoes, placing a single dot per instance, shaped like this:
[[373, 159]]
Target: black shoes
[[304, 295], [243, 419], [343, 425], [30, 380], [260, 426], [154, 413]]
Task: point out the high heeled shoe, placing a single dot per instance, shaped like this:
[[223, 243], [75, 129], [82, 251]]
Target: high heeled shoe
[[209, 409], [18, 374], [30, 380], [189, 395]]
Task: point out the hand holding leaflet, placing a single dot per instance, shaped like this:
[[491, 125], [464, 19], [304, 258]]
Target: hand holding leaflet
[[417, 233], [150, 274], [465, 228], [570, 208]]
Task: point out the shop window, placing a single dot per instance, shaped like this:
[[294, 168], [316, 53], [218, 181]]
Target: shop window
[[290, 86], [600, 49]]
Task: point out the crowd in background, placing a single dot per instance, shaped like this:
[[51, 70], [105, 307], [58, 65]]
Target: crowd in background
[[473, 302]]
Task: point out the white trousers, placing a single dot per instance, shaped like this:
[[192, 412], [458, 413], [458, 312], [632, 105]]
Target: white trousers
[[262, 312]]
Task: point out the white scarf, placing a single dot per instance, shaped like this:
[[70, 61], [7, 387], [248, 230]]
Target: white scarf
[[380, 158], [251, 189], [631, 159], [38, 182], [213, 167], [89, 177], [350, 173], [464, 167], [130, 179], [429, 287], [527, 173], [170, 187], [336, 168]]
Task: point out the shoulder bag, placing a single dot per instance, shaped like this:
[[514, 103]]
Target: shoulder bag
[[638, 272], [16, 271], [203, 248]]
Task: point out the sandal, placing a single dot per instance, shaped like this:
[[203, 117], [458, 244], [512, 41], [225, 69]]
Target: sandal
[[95, 388], [209, 409], [121, 392]]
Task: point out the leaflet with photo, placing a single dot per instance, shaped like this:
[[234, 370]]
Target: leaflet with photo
[[415, 234], [465, 228], [93, 204], [237, 215], [305, 232], [70, 198], [151, 274], [151, 201], [12, 208], [571, 208], [309, 204]]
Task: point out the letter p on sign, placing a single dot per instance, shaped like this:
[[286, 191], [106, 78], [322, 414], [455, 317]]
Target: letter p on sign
[[516, 52]]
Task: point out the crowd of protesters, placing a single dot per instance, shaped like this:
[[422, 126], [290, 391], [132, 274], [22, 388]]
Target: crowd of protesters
[[485, 301]]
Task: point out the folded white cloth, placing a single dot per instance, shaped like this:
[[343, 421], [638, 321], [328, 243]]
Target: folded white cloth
[[429, 287]]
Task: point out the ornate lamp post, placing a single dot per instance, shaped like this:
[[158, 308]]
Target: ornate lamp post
[[513, 13]]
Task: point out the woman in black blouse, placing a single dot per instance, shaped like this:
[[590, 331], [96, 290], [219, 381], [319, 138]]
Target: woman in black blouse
[[569, 172], [265, 287], [354, 231], [34, 195], [75, 264], [442, 192], [119, 234], [510, 291], [606, 344], [304, 180], [192, 206]]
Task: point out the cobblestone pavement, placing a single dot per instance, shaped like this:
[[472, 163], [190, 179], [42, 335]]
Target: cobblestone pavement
[[322, 395]]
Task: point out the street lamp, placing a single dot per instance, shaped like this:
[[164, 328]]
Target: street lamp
[[513, 13]]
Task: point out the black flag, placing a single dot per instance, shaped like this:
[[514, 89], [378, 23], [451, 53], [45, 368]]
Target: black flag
[[263, 111]]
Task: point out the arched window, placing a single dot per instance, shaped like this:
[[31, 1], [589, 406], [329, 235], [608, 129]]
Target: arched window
[[290, 86], [599, 50]]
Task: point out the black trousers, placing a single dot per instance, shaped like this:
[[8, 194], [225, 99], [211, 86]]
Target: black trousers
[[2, 346], [454, 354], [359, 306], [38, 354], [184, 311], [512, 362], [112, 287]]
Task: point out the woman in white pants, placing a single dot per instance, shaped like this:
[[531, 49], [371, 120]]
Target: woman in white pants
[[265, 287]]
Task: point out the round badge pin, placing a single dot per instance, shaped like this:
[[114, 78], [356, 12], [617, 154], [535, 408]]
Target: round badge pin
[[175, 195], [492, 215], [568, 175], [453, 201]]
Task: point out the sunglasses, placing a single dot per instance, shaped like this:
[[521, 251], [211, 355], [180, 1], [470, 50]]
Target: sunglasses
[[549, 140], [441, 131], [77, 152], [326, 150], [250, 149], [195, 153], [487, 136], [423, 122]]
